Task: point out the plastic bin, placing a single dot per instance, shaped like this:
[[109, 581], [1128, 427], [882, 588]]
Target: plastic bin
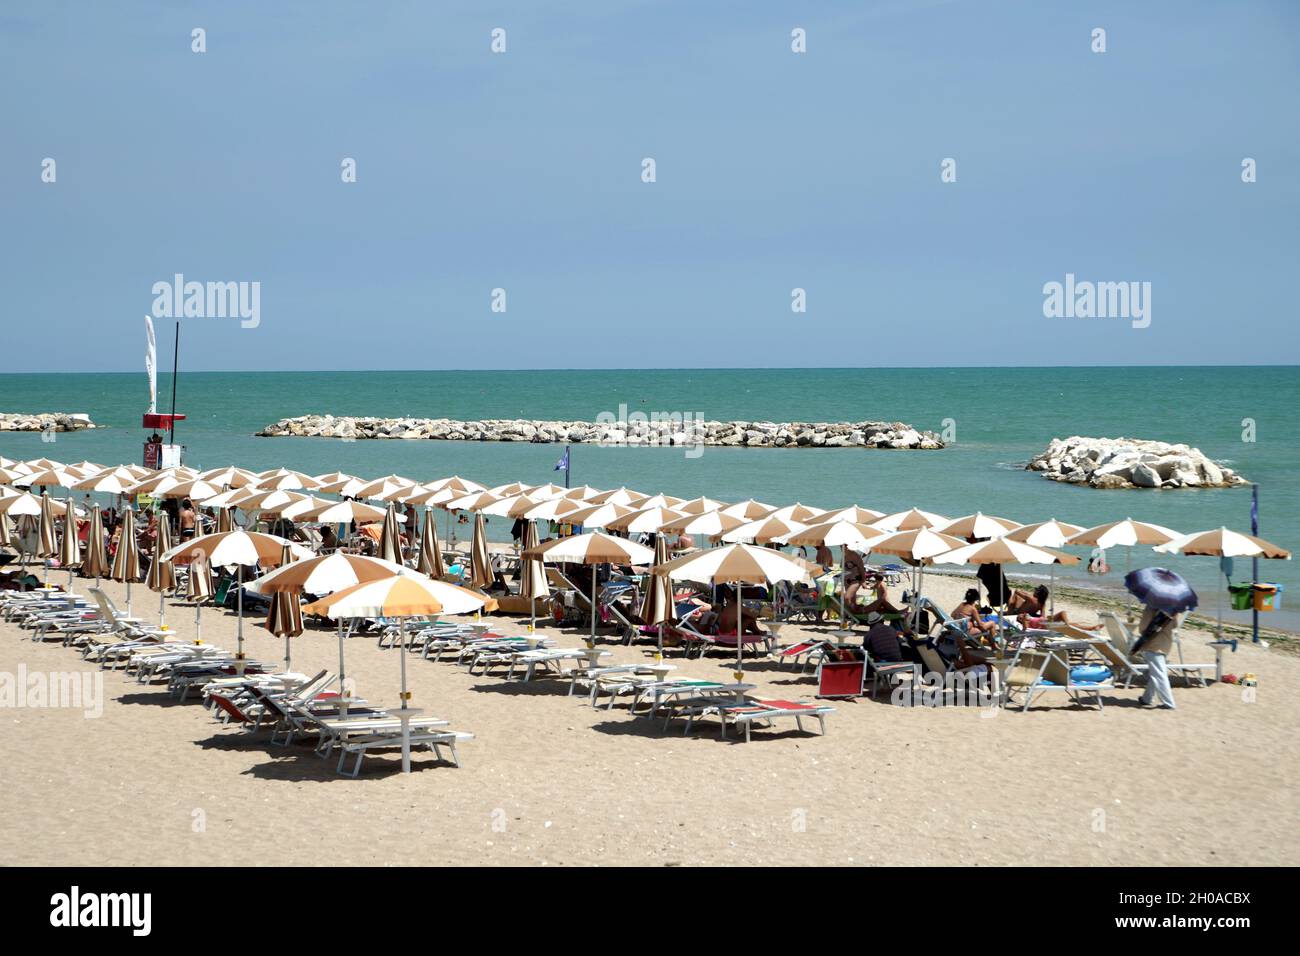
[[1267, 596], [1243, 596]]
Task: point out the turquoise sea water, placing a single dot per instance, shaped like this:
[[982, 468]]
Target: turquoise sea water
[[1001, 418]]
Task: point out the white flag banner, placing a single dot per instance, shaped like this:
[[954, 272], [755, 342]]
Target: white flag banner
[[151, 365]]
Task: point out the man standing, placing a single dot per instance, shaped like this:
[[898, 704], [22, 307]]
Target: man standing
[[1156, 640]]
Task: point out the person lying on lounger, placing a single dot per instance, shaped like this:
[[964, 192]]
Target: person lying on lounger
[[1030, 609], [880, 604], [968, 614]]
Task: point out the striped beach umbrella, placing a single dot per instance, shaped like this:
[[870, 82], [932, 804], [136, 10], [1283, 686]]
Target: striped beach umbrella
[[388, 487], [1222, 543], [284, 618], [229, 477], [555, 509], [914, 519], [854, 513], [598, 516], [591, 548], [1045, 534], [646, 520], [625, 497], [583, 493], [749, 509], [711, 524], [70, 546], [979, 526], [735, 564], [126, 559], [1126, 534], [162, 576], [338, 483], [699, 506], [430, 562], [341, 512], [405, 595], [283, 479], [918, 547], [533, 584], [390, 538], [802, 513], [1003, 551], [763, 531]]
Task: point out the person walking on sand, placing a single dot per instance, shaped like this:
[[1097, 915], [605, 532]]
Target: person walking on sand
[[1156, 639]]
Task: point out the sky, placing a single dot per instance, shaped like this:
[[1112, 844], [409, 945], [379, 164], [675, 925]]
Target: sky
[[774, 170]]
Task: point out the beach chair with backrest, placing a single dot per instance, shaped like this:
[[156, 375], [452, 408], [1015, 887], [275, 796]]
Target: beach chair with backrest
[[1121, 639]]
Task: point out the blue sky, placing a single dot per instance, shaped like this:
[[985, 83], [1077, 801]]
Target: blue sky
[[775, 171]]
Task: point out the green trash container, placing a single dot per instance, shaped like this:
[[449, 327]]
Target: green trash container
[[1243, 596]]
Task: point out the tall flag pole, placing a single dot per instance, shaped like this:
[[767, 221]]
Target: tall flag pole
[[563, 465], [1254, 564]]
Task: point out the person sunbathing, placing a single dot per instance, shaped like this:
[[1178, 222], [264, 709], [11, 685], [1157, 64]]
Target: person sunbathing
[[967, 613], [1030, 610], [880, 604], [727, 618]]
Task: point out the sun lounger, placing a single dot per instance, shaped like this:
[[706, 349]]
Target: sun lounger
[[747, 713], [434, 741], [1121, 641], [811, 651], [1038, 670]]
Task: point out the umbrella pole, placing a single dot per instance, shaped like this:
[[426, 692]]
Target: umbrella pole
[[406, 722], [593, 604], [342, 676], [198, 620], [740, 632], [288, 667], [239, 620]]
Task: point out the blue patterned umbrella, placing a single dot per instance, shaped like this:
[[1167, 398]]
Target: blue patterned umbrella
[[1161, 589]]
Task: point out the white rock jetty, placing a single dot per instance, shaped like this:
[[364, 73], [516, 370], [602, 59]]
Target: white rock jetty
[[1130, 463], [634, 431], [44, 421]]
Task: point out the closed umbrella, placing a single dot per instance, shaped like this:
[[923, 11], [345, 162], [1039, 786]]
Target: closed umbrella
[[198, 586], [593, 548], [94, 563], [162, 576], [657, 606], [70, 546], [46, 546], [126, 559], [401, 596], [284, 618], [479, 561], [533, 584], [430, 552], [735, 564], [225, 520], [390, 539]]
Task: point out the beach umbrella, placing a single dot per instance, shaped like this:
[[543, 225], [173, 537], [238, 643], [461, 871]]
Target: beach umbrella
[[582, 493], [160, 482], [749, 509], [1126, 534], [283, 479], [979, 526], [126, 559], [592, 548], [10, 475], [543, 492], [239, 549], [699, 506], [914, 519], [1161, 589], [162, 576], [842, 533], [801, 513], [338, 483], [1003, 551], [70, 546], [763, 531], [918, 547], [5, 539], [474, 501], [390, 539], [390, 486], [229, 498], [479, 561], [49, 478], [1045, 534], [94, 563], [45, 547], [511, 505], [711, 524], [42, 464], [326, 574], [597, 516], [196, 489], [229, 477], [401, 596], [554, 509], [111, 481], [1222, 543], [298, 510], [454, 483], [86, 468], [647, 520], [507, 490], [339, 512], [624, 497], [430, 562], [659, 501], [252, 499], [284, 617], [422, 495], [657, 605], [735, 564], [532, 582]]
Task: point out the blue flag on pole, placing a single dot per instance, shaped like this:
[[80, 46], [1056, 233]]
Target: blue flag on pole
[[563, 463]]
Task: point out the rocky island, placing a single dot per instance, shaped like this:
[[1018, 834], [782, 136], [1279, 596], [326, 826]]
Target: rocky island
[[648, 430], [1130, 463], [44, 421]]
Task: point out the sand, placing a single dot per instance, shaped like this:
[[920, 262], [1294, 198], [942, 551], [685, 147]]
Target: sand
[[550, 781]]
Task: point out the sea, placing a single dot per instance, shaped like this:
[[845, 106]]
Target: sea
[[996, 419]]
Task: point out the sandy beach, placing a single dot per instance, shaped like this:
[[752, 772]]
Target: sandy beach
[[550, 781]]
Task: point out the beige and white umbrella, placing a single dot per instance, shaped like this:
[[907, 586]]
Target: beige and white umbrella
[[583, 493], [699, 506], [659, 501], [507, 490], [1125, 534], [763, 531], [591, 548], [274, 501], [70, 545], [430, 562], [624, 497], [239, 549], [918, 548], [554, 509], [402, 596], [735, 564], [710, 524], [49, 478], [1223, 543], [198, 586], [749, 509], [338, 483], [646, 521], [597, 516], [327, 574], [804, 514], [162, 576], [545, 492], [1004, 551], [46, 546], [914, 519], [196, 489], [480, 562], [842, 533], [979, 526], [1045, 534], [382, 489], [657, 606], [390, 538], [284, 479], [510, 506], [109, 482], [126, 559], [298, 510], [41, 464], [532, 575], [474, 501], [339, 512], [229, 477], [454, 483]]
